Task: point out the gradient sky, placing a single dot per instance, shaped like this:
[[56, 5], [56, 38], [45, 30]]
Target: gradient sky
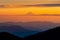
[[23, 10], [26, 10], [29, 1], [8, 18]]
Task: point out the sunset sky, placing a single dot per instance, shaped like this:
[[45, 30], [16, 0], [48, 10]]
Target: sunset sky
[[29, 2], [23, 7], [26, 10]]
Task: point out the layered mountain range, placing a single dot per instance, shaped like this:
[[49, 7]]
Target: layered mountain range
[[52, 34], [23, 29]]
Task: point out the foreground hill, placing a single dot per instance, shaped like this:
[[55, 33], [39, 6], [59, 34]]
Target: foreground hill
[[23, 29], [52, 34], [16, 30], [8, 36]]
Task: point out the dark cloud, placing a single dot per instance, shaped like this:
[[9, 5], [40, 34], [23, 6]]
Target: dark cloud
[[2, 5], [44, 5], [34, 5]]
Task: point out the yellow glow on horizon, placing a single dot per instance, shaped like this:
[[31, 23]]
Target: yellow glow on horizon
[[34, 10]]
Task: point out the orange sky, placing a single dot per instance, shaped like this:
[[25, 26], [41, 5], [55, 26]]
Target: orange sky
[[29, 18], [25, 10], [34, 10]]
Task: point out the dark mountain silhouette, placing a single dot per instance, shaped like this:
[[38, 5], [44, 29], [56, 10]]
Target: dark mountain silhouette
[[52, 34], [16, 30], [8, 36], [23, 29]]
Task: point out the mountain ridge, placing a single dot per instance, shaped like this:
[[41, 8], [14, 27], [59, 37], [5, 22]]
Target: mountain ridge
[[52, 34], [9, 36], [27, 28]]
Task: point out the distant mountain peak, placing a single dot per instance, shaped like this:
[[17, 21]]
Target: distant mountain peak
[[30, 14]]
